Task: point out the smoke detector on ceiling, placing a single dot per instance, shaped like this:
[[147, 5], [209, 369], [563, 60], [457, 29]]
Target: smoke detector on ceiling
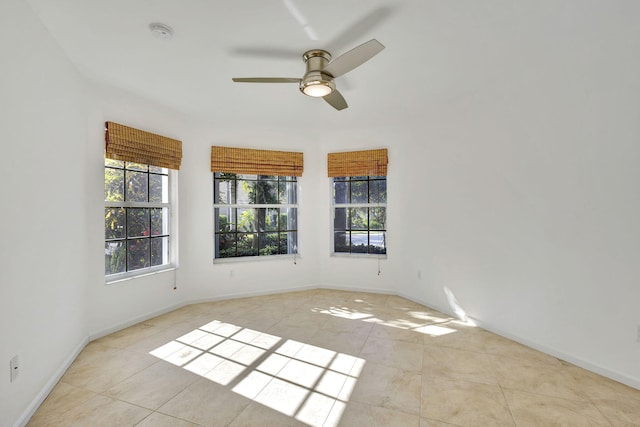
[[161, 31]]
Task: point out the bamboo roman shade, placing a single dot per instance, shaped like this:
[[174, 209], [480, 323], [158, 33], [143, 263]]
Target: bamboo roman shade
[[133, 145], [358, 163], [256, 162]]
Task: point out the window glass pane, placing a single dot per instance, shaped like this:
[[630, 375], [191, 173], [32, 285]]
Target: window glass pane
[[268, 243], [247, 177], [377, 242], [114, 163], [158, 188], [114, 223], [159, 221], [226, 189], [158, 169], [137, 189], [377, 218], [113, 185], [287, 192], [247, 219], [136, 166], [359, 241], [341, 241], [378, 191], [137, 222], [226, 244], [247, 244], [137, 254], [226, 219], [114, 258], [159, 251], [341, 219], [359, 191], [358, 218], [288, 243], [246, 192], [289, 219], [271, 219], [266, 192], [340, 192]]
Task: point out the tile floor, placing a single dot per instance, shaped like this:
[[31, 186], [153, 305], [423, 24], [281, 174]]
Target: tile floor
[[325, 358]]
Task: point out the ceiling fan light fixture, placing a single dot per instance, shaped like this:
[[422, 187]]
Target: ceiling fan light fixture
[[317, 89]]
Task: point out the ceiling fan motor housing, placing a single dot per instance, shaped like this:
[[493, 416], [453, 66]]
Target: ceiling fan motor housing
[[315, 82]]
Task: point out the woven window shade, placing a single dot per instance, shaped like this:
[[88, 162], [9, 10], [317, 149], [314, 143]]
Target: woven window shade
[[358, 163], [256, 162], [133, 145]]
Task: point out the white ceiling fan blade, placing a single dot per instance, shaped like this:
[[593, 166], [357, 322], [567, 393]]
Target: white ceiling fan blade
[[354, 58], [336, 100], [265, 80]]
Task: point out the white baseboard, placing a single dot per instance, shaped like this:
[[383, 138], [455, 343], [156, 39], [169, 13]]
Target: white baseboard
[[42, 395], [104, 332]]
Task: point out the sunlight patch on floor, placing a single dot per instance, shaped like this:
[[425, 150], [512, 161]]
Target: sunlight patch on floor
[[309, 383]]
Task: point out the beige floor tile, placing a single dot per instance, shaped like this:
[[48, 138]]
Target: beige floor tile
[[388, 387], [101, 370], [535, 410], [153, 386], [130, 335], [257, 414], [599, 387], [464, 403], [525, 375], [296, 332], [458, 364], [341, 324], [160, 420], [503, 347], [396, 334], [456, 335], [620, 411], [397, 354], [425, 422], [62, 398], [100, 411], [361, 414], [206, 403], [342, 342], [365, 299]]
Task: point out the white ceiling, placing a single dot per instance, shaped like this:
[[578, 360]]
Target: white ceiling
[[437, 52]]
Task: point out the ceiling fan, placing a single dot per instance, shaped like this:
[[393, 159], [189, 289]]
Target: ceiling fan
[[318, 80]]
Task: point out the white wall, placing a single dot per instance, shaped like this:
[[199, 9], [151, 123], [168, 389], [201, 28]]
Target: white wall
[[43, 220], [528, 207]]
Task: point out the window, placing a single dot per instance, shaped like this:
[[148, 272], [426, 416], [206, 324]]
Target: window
[[255, 215], [359, 201], [359, 214], [255, 201], [136, 216], [137, 211]]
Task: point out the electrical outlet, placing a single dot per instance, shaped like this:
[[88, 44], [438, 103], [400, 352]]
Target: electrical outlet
[[419, 274], [14, 365], [638, 336]]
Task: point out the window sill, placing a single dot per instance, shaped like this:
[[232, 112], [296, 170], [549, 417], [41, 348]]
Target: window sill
[[259, 258], [123, 277]]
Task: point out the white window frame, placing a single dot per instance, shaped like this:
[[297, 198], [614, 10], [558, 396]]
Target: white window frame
[[335, 205], [296, 206], [172, 204]]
